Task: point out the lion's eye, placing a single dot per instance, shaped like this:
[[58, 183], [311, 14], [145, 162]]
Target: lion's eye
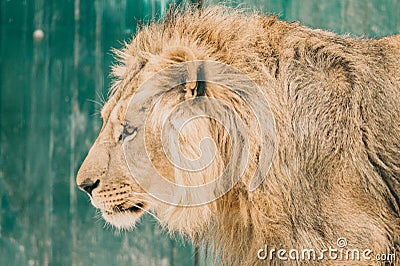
[[127, 131]]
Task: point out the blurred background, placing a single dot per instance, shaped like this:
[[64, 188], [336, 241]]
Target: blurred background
[[55, 60]]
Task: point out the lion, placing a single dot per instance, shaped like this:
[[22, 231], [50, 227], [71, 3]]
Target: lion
[[335, 172]]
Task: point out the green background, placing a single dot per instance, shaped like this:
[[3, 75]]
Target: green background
[[50, 90]]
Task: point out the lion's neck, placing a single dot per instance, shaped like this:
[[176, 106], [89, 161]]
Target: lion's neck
[[244, 225]]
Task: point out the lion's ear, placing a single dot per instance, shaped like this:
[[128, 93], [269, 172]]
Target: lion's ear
[[195, 85], [195, 80]]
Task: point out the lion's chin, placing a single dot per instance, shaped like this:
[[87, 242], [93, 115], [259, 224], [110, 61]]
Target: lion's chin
[[121, 220]]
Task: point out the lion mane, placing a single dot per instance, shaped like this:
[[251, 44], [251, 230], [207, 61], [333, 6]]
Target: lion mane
[[336, 168]]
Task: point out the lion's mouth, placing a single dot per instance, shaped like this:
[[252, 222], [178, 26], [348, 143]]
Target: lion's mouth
[[125, 208], [124, 215], [138, 207]]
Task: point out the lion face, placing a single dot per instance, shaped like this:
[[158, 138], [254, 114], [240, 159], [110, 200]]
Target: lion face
[[105, 176]]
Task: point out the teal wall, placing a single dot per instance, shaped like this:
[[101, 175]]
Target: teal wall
[[49, 119], [371, 18]]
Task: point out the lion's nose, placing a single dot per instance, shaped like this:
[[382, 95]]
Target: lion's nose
[[88, 185]]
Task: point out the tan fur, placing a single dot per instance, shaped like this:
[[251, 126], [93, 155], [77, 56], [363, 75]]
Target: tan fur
[[336, 102]]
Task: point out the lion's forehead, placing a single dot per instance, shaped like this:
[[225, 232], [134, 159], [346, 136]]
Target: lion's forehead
[[114, 110]]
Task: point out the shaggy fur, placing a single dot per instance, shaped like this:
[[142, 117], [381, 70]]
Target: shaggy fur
[[336, 103]]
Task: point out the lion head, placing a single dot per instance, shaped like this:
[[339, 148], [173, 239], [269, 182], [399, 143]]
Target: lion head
[[245, 130], [170, 134]]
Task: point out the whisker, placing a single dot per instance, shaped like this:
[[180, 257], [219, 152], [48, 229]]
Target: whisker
[[139, 193], [96, 102], [98, 106], [146, 194], [96, 114], [101, 96], [98, 217], [142, 194]]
